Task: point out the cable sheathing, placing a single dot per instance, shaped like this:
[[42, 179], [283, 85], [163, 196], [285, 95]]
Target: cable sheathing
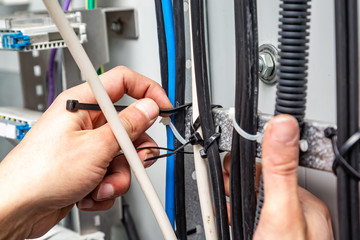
[[179, 119], [208, 129], [170, 163]]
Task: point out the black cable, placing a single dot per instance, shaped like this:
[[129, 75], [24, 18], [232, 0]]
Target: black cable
[[242, 175], [293, 61], [169, 154], [203, 94], [160, 148], [179, 118], [353, 109], [162, 45], [341, 33], [129, 224]]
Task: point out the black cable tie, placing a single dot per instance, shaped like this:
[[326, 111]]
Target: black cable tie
[[196, 138], [75, 105], [339, 159], [208, 143]]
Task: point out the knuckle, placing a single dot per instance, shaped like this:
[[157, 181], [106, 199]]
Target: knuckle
[[122, 68], [284, 165], [130, 126]]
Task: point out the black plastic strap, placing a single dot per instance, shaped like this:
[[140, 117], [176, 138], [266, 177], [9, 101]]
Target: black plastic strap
[[75, 105], [339, 159], [208, 143]]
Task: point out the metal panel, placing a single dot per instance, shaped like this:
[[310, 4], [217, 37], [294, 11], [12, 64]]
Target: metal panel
[[34, 81]]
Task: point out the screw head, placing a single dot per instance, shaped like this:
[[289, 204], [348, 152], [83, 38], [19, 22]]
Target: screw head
[[116, 26]]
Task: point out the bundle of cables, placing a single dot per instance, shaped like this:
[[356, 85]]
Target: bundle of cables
[[172, 62], [347, 77], [206, 120], [243, 152]]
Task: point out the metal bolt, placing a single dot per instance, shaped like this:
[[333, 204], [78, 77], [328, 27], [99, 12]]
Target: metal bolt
[[116, 26], [261, 64], [267, 63]]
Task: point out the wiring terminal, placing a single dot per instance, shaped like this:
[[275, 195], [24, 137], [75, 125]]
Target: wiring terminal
[[30, 31], [16, 122]]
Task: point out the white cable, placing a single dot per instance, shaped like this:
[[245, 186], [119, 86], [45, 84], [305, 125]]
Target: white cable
[[87, 69], [167, 122], [201, 170], [240, 131]]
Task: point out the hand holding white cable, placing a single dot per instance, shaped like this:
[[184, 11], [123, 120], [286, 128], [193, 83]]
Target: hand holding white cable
[[110, 113]]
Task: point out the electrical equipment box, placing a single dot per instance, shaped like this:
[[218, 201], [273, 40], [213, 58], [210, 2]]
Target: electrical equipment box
[[27, 32], [16, 122]]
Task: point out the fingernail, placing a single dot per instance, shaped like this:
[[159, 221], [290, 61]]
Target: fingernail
[[149, 107], [86, 203], [283, 128], [106, 191]]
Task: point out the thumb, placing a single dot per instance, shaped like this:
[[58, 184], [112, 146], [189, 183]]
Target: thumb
[[136, 119], [280, 155]]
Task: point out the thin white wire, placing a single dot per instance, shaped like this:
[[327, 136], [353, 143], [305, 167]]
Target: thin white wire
[[201, 170], [111, 115], [167, 121]]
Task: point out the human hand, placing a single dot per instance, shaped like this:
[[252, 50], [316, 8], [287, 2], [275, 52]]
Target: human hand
[[67, 157], [289, 211]]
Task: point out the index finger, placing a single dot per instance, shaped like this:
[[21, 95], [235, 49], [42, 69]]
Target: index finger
[[119, 81]]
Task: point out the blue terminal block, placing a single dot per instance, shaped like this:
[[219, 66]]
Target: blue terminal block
[[22, 130], [17, 41]]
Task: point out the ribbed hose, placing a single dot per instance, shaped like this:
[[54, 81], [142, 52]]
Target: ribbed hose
[[292, 70], [293, 47]]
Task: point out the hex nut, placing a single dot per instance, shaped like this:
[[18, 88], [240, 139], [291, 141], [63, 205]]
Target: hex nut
[[268, 67], [267, 63]]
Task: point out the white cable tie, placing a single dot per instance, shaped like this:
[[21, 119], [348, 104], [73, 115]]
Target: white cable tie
[[240, 131], [167, 122]]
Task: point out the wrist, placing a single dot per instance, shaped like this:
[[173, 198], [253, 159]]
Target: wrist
[[17, 212]]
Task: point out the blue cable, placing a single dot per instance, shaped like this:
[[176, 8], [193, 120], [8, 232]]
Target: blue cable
[[170, 162]]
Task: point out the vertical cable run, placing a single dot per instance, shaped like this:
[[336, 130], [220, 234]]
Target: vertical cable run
[[353, 107], [243, 199], [341, 33], [162, 45], [170, 163], [206, 120], [179, 118]]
